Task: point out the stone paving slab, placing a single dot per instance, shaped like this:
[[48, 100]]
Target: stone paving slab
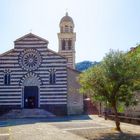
[[68, 128], [99, 129], [77, 125], [130, 131], [4, 133], [41, 131], [105, 134]]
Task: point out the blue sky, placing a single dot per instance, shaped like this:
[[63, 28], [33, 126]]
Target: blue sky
[[100, 25]]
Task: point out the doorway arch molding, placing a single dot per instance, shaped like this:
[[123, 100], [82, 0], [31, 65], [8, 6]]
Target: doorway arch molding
[[30, 79]]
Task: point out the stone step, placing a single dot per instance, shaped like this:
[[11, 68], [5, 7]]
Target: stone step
[[28, 113]]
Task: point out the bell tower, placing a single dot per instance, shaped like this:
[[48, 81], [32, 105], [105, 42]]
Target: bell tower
[[67, 38]]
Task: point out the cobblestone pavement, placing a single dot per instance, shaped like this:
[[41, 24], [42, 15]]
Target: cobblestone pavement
[[66, 128]]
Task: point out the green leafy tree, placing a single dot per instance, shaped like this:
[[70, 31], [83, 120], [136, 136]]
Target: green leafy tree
[[113, 81]]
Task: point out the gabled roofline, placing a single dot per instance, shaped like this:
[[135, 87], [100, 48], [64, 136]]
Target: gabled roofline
[[6, 52], [74, 70], [57, 53], [47, 49], [32, 35]]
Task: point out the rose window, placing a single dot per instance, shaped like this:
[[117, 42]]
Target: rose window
[[30, 59]]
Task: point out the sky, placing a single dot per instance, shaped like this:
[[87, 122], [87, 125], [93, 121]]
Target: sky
[[100, 25]]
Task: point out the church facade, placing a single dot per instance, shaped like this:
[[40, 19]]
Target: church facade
[[33, 76]]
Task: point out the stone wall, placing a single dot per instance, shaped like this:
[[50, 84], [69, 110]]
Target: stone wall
[[74, 98], [134, 111]]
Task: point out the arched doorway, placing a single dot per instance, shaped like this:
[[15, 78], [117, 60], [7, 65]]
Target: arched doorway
[[30, 97]]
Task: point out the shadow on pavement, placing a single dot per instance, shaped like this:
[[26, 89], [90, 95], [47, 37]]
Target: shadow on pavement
[[105, 135], [119, 136], [23, 121]]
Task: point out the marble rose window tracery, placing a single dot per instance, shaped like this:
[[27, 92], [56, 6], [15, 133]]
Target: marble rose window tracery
[[30, 59]]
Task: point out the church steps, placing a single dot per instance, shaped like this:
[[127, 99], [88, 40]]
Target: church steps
[[28, 113]]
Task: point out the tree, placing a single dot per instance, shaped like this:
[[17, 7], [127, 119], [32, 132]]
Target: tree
[[113, 81]]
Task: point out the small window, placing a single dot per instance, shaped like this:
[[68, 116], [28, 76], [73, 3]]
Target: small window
[[69, 43], [52, 76], [63, 44], [7, 79], [66, 29]]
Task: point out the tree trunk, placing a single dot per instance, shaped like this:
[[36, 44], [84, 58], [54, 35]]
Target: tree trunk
[[117, 121]]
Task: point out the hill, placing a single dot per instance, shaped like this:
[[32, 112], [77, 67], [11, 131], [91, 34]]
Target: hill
[[84, 65]]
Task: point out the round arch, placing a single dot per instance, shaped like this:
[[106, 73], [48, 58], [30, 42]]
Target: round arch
[[30, 90], [30, 79]]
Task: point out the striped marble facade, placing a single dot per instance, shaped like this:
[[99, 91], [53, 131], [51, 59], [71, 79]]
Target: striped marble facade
[[51, 96]]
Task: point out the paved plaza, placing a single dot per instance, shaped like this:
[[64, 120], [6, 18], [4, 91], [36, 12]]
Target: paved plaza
[[66, 128]]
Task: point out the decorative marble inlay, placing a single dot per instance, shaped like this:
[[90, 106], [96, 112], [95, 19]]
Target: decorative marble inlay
[[30, 59], [30, 79]]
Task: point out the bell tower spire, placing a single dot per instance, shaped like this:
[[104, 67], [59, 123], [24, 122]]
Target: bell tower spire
[[67, 38]]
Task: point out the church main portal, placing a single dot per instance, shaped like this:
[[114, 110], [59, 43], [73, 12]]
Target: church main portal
[[30, 97]]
